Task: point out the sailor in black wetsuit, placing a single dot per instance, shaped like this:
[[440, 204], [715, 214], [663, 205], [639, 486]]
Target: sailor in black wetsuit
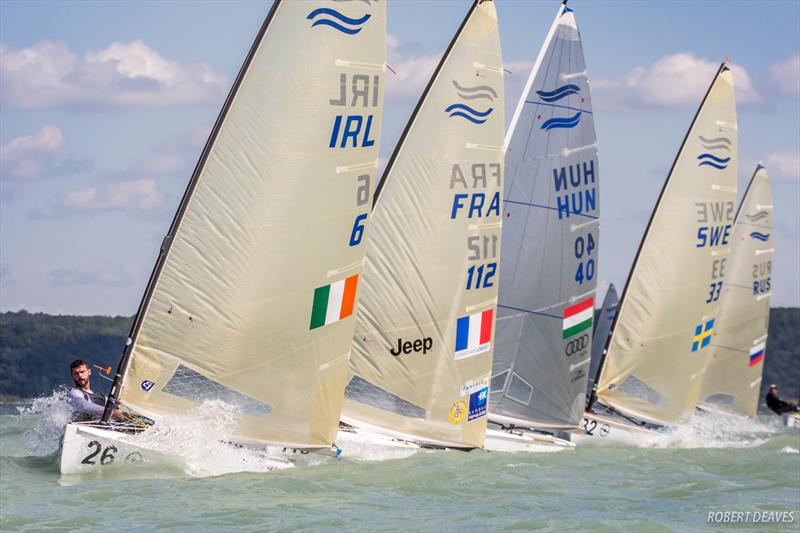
[[776, 404], [86, 405]]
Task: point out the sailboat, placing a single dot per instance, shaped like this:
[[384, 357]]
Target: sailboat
[[732, 379], [251, 299], [602, 328], [423, 343], [548, 270], [650, 374]]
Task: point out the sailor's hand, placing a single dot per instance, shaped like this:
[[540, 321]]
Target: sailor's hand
[[117, 415]]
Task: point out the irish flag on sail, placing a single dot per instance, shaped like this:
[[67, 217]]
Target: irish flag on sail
[[333, 302], [578, 317]]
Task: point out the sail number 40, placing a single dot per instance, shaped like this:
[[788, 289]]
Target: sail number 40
[[586, 268]]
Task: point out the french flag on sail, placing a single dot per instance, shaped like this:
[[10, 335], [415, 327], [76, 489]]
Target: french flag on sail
[[474, 334], [757, 354]]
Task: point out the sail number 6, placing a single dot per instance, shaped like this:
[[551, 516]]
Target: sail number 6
[[106, 458]]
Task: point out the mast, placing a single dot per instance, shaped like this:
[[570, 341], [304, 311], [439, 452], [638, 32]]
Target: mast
[[187, 194], [623, 298]]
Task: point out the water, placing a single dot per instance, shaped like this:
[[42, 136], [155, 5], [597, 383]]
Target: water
[[669, 483]]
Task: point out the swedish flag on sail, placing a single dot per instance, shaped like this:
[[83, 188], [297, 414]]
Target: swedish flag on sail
[[702, 335]]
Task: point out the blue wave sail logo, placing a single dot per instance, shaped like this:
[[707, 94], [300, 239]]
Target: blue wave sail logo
[[763, 237], [557, 94], [756, 217], [562, 122], [468, 111], [325, 16], [714, 156]]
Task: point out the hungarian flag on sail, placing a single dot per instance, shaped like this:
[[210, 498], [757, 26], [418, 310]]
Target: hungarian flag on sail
[[578, 317], [757, 354], [333, 302], [474, 334]]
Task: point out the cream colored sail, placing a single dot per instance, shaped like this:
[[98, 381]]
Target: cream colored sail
[[733, 377], [660, 342], [251, 301], [423, 345]]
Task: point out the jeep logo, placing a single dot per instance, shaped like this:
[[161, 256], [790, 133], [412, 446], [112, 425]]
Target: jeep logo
[[422, 345]]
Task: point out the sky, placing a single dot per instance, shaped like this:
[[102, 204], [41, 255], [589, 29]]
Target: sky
[[105, 107]]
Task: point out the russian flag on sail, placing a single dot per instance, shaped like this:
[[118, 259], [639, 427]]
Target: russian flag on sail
[[474, 334], [578, 317], [757, 354], [333, 302]]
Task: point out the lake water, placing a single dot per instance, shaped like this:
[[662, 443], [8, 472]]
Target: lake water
[[671, 483]]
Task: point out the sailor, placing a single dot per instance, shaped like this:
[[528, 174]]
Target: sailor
[[776, 404], [86, 405]]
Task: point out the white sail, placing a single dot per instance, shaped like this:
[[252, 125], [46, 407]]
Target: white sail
[[660, 341], [423, 344], [551, 242], [252, 297], [733, 377]]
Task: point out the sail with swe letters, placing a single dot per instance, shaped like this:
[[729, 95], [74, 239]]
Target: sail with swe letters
[[548, 270], [732, 379], [252, 297], [660, 342], [423, 342]]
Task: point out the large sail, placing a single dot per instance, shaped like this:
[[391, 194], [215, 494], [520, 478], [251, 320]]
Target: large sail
[[548, 270], [659, 343], [602, 328], [252, 298], [423, 344], [733, 377]]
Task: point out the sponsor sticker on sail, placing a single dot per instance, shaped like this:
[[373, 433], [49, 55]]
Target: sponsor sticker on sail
[[333, 302], [578, 317], [757, 354], [478, 392], [474, 334]]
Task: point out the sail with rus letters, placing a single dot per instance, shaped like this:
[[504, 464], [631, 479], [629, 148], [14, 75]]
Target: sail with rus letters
[[548, 270], [251, 300], [659, 345], [732, 380], [424, 334]]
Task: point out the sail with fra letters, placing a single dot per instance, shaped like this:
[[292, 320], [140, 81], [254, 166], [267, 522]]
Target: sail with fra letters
[[733, 377], [668, 313], [425, 324], [253, 296], [548, 271]]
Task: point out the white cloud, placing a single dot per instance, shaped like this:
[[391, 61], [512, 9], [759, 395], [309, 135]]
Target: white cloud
[[783, 165], [411, 72], [133, 194], [674, 81], [28, 156], [103, 274], [785, 75], [49, 74]]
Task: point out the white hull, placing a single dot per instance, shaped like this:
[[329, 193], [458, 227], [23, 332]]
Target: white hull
[[365, 445], [605, 428], [89, 447], [517, 440], [792, 421]]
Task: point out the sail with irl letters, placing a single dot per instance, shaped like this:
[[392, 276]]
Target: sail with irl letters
[[548, 270], [251, 301], [733, 377], [660, 341], [425, 324]]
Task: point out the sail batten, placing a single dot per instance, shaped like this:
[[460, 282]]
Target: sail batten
[[424, 334], [550, 242], [268, 236], [739, 344], [658, 347]]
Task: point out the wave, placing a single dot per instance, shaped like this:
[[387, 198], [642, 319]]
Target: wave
[[476, 92], [711, 160], [724, 141], [763, 237], [562, 122], [756, 217], [465, 111], [342, 23], [559, 93], [714, 158]]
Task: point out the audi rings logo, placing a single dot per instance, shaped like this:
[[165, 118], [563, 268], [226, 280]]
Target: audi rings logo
[[576, 345]]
